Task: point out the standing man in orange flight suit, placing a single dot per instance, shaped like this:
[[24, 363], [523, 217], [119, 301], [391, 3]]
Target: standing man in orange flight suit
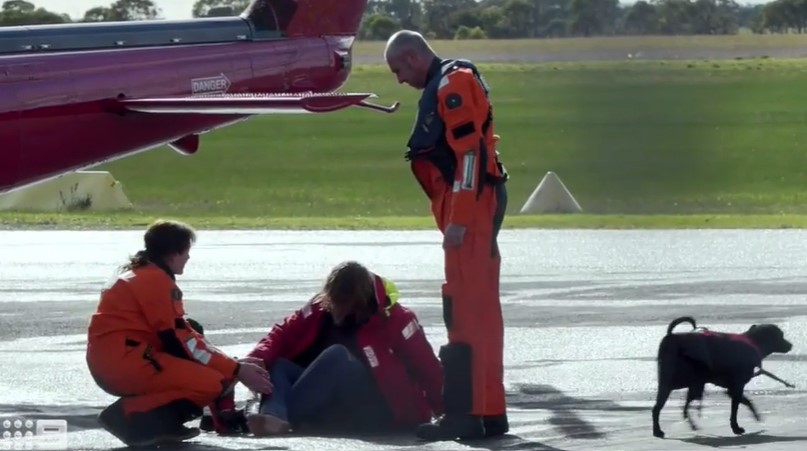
[[453, 155], [141, 348]]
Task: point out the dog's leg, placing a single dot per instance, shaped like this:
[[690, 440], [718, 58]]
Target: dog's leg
[[747, 402], [663, 394], [736, 395], [694, 392]]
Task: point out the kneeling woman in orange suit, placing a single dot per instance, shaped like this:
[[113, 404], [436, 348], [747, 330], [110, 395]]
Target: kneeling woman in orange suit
[[142, 349]]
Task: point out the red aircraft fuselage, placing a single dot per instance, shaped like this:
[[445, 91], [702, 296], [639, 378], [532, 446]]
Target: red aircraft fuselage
[[77, 95]]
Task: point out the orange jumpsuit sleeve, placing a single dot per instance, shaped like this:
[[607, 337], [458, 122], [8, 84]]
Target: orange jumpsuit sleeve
[[160, 301], [463, 105], [206, 353]]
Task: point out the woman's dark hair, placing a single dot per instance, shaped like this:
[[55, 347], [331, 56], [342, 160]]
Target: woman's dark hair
[[162, 238], [348, 284]]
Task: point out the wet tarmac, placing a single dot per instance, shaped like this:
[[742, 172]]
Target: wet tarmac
[[584, 312]]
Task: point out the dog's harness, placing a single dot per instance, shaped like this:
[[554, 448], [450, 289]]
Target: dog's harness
[[736, 337], [747, 340]]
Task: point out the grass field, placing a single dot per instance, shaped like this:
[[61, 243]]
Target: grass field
[[372, 51], [708, 140]]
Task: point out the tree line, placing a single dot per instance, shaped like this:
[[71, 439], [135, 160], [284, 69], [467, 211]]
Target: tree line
[[491, 19], [512, 19]]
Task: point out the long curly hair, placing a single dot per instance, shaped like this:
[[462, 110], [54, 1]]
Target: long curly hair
[[349, 287]]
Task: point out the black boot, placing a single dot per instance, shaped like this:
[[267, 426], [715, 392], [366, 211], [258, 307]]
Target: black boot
[[113, 420], [452, 427], [496, 425], [457, 423], [206, 423], [464, 428], [163, 424]]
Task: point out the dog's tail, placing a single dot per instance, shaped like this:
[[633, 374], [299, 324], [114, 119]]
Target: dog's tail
[[677, 321]]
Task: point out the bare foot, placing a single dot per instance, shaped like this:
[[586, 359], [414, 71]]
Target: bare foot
[[261, 424]]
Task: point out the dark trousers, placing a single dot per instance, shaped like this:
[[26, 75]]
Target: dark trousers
[[335, 392]]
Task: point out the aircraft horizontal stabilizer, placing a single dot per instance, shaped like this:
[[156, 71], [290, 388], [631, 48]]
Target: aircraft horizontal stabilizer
[[240, 104]]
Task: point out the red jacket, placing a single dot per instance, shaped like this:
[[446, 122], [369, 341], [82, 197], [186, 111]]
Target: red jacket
[[394, 346]]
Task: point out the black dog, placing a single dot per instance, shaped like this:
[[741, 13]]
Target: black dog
[[690, 360]]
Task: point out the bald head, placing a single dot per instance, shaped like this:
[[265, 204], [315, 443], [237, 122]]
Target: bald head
[[407, 41], [409, 57]]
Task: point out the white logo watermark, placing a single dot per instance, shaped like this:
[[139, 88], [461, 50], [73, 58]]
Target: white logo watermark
[[19, 433]]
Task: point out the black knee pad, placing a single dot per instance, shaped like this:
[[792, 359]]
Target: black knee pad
[[457, 377]]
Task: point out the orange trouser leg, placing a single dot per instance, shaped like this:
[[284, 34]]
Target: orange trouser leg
[[179, 379], [144, 387], [472, 360], [494, 377], [495, 400]]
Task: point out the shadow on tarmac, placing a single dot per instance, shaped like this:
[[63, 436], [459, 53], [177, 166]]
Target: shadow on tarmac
[[506, 442], [752, 438], [564, 418], [564, 409], [195, 446]]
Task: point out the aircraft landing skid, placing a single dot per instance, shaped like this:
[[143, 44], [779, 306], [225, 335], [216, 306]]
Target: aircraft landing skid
[[374, 106]]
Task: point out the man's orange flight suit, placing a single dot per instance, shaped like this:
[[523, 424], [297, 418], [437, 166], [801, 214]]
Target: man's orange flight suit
[[141, 348], [453, 156]]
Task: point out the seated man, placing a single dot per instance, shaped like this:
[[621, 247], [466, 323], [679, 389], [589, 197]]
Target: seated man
[[352, 359], [141, 348]]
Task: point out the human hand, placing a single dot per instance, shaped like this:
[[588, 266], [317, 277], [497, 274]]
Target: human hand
[[253, 360], [255, 377], [453, 235]]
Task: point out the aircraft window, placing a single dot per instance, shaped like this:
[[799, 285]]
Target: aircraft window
[[272, 15]]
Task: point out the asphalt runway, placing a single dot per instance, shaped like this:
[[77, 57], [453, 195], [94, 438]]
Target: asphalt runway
[[584, 312]]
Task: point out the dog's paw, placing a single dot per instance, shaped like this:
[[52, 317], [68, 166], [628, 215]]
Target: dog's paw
[[737, 429], [658, 433]]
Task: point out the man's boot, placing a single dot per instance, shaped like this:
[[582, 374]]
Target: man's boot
[[496, 425], [458, 422]]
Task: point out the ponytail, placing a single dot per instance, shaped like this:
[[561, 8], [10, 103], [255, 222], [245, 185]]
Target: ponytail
[[141, 258]]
